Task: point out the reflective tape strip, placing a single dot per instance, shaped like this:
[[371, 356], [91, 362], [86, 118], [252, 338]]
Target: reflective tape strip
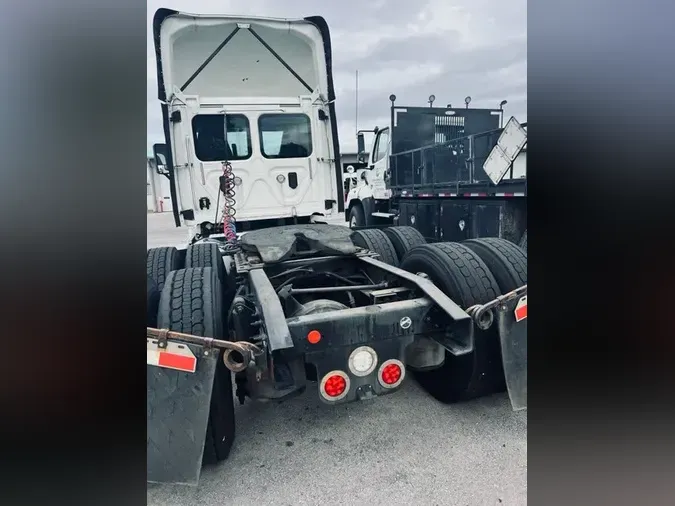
[[176, 356], [516, 194], [521, 309]]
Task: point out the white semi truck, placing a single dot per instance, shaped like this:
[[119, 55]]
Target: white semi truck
[[451, 173], [265, 301]]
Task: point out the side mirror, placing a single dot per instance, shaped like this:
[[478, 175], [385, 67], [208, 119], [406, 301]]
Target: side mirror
[[360, 143], [360, 148], [160, 164], [159, 153]]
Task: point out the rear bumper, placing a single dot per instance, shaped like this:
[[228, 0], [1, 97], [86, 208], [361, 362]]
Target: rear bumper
[[386, 329]]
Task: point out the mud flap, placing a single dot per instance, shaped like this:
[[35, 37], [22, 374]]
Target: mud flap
[[512, 324], [178, 405]]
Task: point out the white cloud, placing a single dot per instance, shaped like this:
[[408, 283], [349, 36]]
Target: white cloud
[[479, 23], [403, 76]]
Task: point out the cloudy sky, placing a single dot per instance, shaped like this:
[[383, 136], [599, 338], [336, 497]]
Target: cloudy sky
[[451, 48]]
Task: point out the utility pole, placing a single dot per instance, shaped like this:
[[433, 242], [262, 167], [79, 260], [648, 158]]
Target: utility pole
[[356, 119]]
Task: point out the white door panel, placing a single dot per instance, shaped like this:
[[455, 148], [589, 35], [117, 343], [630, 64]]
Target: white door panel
[[260, 194]]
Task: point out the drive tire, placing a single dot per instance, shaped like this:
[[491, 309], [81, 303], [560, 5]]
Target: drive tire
[[152, 303], [506, 261], [357, 217], [404, 239], [464, 277], [206, 254], [160, 262], [192, 303], [377, 241]]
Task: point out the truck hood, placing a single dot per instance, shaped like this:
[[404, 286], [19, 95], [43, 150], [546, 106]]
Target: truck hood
[[233, 56]]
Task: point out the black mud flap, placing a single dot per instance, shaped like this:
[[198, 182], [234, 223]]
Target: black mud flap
[[178, 412], [512, 324]]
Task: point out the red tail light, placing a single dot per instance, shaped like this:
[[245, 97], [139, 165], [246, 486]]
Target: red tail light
[[391, 373], [334, 386]]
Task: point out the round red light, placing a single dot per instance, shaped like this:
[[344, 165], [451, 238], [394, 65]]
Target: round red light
[[335, 386], [314, 336], [391, 373]]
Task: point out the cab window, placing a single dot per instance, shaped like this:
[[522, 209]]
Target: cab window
[[381, 145], [285, 135], [209, 137]]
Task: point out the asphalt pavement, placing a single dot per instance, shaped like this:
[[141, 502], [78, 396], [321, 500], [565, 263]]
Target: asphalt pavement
[[405, 448]]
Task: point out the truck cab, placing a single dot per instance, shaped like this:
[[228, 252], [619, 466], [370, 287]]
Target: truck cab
[[427, 163], [371, 190], [251, 100]]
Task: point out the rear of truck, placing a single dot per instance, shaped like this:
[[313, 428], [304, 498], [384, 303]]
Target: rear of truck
[[286, 304], [319, 307]]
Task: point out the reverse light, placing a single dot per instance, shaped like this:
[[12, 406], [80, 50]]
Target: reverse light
[[334, 386], [391, 373], [362, 361]]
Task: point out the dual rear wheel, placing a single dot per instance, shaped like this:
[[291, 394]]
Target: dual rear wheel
[[473, 272], [392, 244], [192, 300]]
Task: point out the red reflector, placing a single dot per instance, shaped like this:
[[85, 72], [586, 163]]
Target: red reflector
[[521, 309], [335, 386], [174, 356], [314, 336], [177, 362], [391, 374]]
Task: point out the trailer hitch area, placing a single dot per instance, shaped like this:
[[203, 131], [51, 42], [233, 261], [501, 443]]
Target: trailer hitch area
[[509, 311], [237, 355]]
